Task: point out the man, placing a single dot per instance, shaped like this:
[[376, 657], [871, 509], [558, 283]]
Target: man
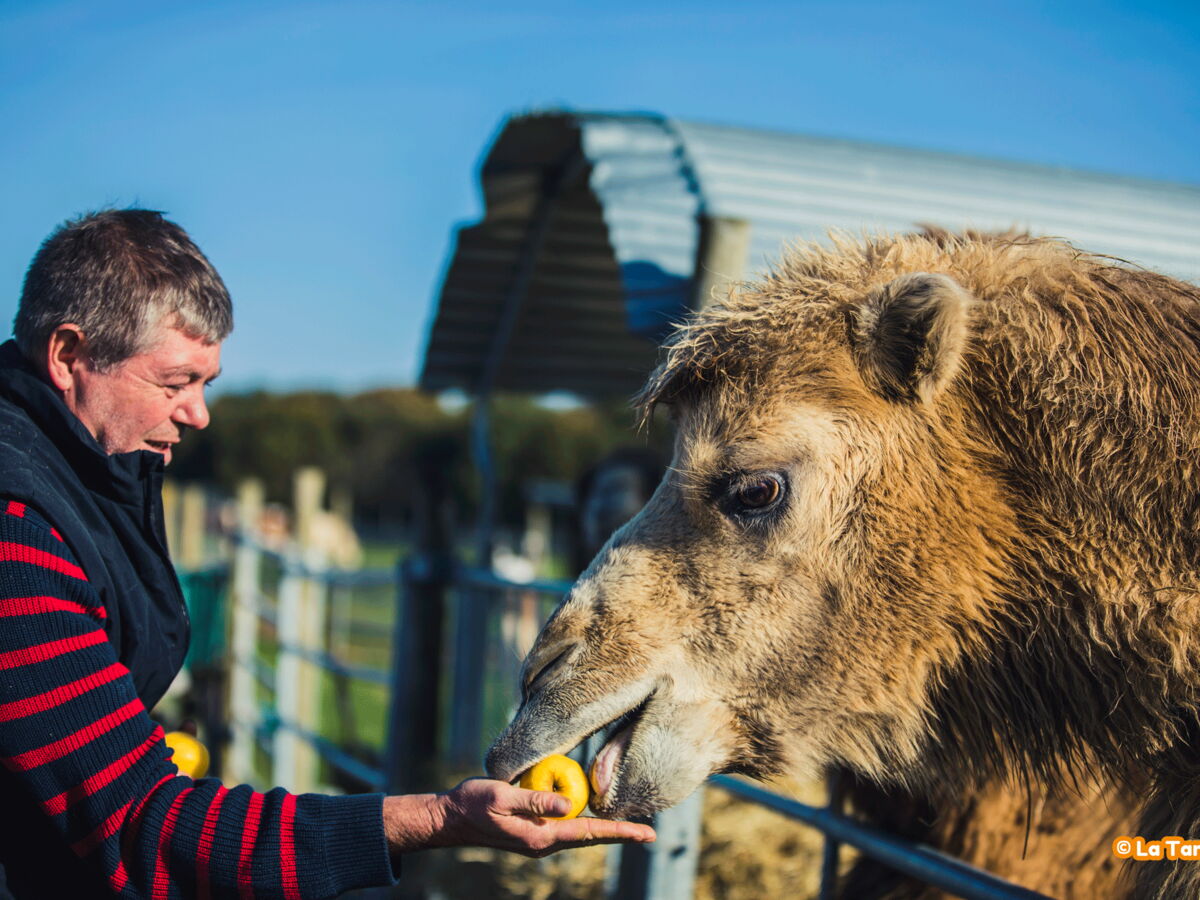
[[118, 333]]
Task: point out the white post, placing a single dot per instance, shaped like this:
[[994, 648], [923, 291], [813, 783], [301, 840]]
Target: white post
[[193, 511], [301, 625], [538, 533], [666, 869], [288, 746], [721, 261], [244, 634], [338, 601], [170, 500]]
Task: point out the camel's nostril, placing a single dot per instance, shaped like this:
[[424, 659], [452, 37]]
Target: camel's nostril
[[539, 672]]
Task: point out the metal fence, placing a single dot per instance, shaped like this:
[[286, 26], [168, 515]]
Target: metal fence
[[285, 669], [494, 625], [449, 650]]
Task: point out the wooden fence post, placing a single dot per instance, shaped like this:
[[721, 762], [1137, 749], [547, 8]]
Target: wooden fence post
[[170, 501], [470, 605], [411, 760], [339, 600], [539, 533], [287, 747], [301, 625], [244, 634], [414, 725], [192, 527], [413, 721]]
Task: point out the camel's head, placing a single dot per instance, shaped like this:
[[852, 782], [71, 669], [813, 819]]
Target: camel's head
[[813, 559]]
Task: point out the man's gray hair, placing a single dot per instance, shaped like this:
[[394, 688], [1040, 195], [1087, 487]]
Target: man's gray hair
[[120, 275]]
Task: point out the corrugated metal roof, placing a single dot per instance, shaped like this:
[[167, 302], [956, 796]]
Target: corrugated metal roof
[[621, 196]]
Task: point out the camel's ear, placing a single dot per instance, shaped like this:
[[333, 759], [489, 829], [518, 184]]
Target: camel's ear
[[908, 335]]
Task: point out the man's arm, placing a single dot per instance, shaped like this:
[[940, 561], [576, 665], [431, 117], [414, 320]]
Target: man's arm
[[75, 735], [481, 812], [73, 731]]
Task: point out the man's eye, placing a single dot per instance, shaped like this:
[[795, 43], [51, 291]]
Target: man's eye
[[758, 494], [175, 388]]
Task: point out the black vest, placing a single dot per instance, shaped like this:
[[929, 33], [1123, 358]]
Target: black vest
[[108, 509]]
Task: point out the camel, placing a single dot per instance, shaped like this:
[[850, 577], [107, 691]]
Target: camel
[[932, 517]]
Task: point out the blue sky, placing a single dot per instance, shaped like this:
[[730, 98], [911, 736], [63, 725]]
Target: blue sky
[[322, 153]]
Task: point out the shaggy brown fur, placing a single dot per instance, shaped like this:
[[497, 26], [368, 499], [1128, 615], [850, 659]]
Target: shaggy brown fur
[[1056, 841], [981, 564]]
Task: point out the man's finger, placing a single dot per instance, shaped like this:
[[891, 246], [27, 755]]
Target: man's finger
[[588, 829], [542, 803]]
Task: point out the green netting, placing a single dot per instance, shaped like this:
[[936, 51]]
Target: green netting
[[204, 592]]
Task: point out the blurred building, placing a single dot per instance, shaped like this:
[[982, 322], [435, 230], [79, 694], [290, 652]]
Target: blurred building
[[600, 229]]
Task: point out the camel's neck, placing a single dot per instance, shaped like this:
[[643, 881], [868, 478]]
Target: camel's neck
[[1052, 696], [1093, 410], [1095, 441]]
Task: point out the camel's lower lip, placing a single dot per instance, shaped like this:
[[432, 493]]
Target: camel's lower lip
[[604, 767]]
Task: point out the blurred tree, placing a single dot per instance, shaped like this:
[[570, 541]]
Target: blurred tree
[[377, 444]]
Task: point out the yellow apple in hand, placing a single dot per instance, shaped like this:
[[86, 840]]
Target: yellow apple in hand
[[562, 775]]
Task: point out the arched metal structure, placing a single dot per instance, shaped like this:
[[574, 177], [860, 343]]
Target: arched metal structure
[[592, 231]]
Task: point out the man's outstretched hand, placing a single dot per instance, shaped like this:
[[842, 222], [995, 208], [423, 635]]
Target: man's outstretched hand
[[481, 812]]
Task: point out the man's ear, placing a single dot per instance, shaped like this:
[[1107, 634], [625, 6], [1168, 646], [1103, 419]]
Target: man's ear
[[908, 335], [64, 353]]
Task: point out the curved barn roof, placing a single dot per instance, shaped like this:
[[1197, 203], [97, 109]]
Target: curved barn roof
[[592, 230]]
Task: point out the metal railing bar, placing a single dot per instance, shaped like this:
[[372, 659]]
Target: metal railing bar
[[830, 854], [241, 539], [261, 672], [264, 675], [266, 609], [339, 759], [925, 863], [243, 725], [357, 578], [289, 564], [332, 664], [261, 730], [919, 861], [336, 757], [262, 738], [470, 576]]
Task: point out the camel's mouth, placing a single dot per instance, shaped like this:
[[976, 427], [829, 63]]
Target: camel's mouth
[[606, 767], [534, 735], [654, 749]]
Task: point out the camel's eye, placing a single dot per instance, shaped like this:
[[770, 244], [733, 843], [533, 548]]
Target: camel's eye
[[539, 678], [759, 493]]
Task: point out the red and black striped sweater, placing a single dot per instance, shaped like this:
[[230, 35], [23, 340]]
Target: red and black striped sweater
[[75, 738]]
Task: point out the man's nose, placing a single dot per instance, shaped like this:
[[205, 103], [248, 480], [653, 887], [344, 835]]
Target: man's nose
[[193, 411]]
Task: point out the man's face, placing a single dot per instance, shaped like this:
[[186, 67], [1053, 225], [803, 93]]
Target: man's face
[[148, 401]]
